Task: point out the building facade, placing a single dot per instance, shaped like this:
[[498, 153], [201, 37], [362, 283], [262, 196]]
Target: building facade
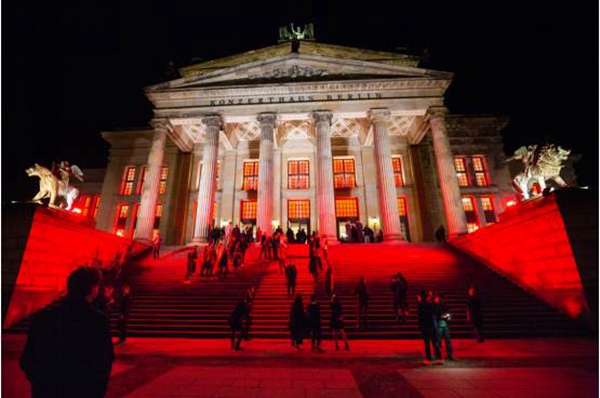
[[310, 138]]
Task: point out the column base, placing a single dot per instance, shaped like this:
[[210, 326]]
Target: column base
[[145, 241], [198, 241], [395, 238]]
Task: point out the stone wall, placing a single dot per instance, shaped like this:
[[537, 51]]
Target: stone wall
[[40, 248], [549, 246]]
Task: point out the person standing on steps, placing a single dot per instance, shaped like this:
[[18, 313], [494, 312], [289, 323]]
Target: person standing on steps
[[443, 317], [237, 324], [314, 266], [337, 322], [440, 234], [313, 313], [362, 302], [427, 325], [329, 286], [297, 322], [290, 275], [474, 313], [156, 243], [124, 313], [402, 293]]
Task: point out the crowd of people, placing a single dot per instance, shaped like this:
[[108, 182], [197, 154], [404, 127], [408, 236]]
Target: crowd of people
[[69, 349]]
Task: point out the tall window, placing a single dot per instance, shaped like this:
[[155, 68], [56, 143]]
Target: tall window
[[480, 171], [488, 209], [157, 216], [162, 184], [398, 174], [460, 164], [121, 222], [470, 213], [96, 205], [128, 178], [248, 211], [343, 173], [403, 212], [250, 172], [298, 209], [87, 202], [298, 174], [346, 207]]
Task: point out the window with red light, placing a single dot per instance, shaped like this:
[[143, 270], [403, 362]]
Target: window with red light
[[128, 178], [398, 175], [470, 214], [402, 206], [96, 205], [250, 173], [162, 183], [121, 222], [298, 209], [488, 209], [344, 173], [460, 164], [346, 208], [298, 174], [248, 211], [479, 168], [87, 201]]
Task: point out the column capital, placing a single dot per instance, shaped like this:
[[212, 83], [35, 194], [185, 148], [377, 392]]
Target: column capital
[[437, 112], [213, 121], [160, 125], [379, 115], [267, 119], [322, 117]]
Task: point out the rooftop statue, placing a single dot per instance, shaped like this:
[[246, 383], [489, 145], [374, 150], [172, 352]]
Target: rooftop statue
[[55, 184], [307, 32], [540, 164]]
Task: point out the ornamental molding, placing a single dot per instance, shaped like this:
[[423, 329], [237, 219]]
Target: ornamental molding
[[293, 72]]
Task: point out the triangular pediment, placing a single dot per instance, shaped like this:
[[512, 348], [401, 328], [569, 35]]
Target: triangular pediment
[[276, 67]]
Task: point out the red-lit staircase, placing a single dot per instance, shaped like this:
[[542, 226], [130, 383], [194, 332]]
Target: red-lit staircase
[[163, 305]]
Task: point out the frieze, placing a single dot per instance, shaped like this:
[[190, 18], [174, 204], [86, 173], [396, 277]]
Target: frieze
[[293, 72]]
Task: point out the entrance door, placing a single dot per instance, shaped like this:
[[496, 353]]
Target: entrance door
[[299, 216], [346, 210], [403, 211], [248, 215]]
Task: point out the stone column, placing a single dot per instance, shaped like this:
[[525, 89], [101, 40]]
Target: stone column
[[325, 192], [266, 173], [208, 178], [149, 197], [455, 215], [388, 199]]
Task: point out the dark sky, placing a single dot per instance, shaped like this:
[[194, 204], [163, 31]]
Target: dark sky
[[71, 71]]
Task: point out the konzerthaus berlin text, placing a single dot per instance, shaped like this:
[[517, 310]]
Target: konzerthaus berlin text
[[311, 136]]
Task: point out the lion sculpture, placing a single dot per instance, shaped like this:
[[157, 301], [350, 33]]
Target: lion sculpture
[[61, 194], [539, 165]]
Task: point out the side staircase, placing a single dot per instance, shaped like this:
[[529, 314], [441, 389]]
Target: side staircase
[[163, 304]]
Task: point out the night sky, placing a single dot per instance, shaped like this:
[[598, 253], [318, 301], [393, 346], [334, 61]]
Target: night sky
[[71, 71]]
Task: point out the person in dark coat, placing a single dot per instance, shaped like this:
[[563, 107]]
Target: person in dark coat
[[427, 326], [402, 293], [474, 314], [329, 280], [362, 302], [290, 235], [337, 322], [191, 261], [314, 266], [290, 275], [124, 313], [237, 323], [440, 234], [297, 322], [313, 314], [69, 352]]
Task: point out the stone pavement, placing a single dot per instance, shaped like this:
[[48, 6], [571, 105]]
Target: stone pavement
[[272, 368]]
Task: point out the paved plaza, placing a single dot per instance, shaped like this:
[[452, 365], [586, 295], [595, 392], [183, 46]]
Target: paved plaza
[[272, 368]]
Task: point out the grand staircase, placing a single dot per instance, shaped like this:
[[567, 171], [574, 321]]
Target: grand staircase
[[163, 304]]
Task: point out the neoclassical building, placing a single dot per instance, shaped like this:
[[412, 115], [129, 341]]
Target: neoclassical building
[[313, 137]]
